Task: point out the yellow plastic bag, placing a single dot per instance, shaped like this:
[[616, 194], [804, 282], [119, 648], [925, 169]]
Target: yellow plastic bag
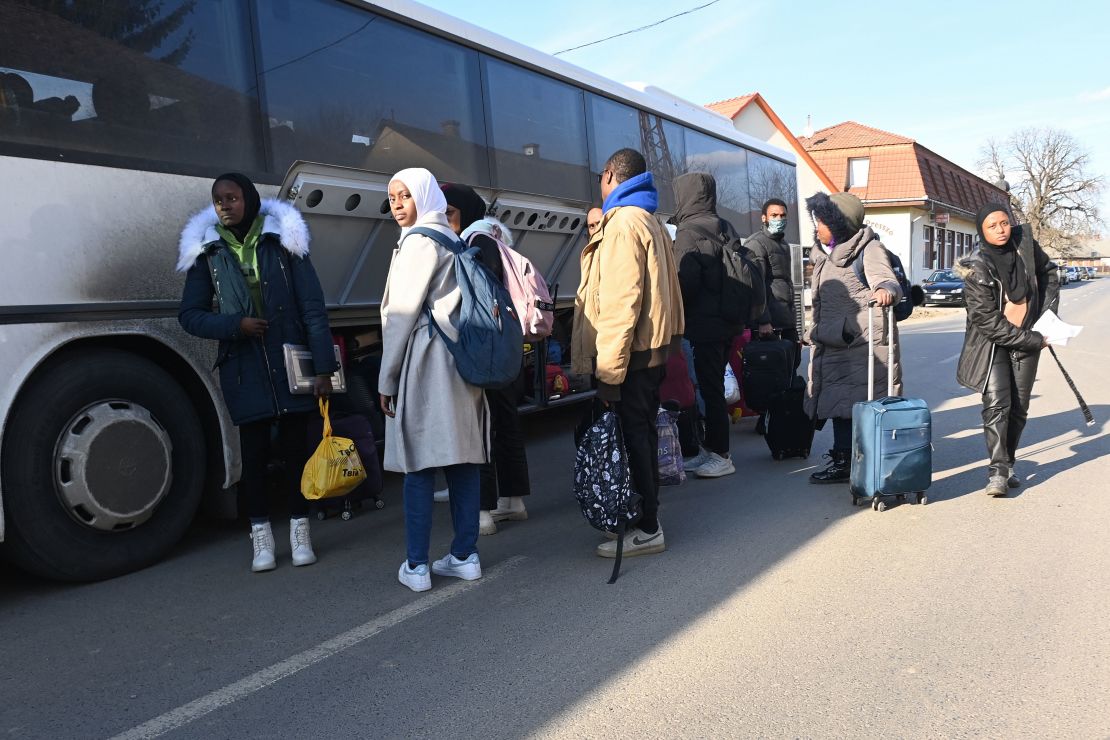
[[335, 469]]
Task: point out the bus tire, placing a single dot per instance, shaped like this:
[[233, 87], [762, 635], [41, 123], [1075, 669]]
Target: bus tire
[[103, 467]]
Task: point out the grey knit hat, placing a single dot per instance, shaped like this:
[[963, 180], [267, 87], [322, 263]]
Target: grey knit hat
[[851, 208]]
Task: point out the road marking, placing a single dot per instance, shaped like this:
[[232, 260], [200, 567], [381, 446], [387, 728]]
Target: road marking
[[243, 688]]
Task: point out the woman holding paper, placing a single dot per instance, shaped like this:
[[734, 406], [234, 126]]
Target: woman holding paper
[[1008, 283]]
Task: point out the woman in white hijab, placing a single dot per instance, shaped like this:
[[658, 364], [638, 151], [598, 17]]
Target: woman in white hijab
[[434, 419]]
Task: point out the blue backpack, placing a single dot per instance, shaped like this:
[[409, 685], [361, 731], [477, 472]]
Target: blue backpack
[[904, 307], [489, 351]]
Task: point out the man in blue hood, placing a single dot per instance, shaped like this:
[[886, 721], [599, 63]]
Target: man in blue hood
[[627, 319]]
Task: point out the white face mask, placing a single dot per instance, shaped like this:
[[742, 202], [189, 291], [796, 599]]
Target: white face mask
[[776, 225]]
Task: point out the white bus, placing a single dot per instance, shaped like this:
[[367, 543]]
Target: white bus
[[115, 120]]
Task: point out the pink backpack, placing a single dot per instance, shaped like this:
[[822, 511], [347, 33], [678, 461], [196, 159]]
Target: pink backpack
[[529, 291]]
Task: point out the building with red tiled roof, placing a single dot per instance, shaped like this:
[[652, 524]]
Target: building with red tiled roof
[[752, 115], [921, 204]]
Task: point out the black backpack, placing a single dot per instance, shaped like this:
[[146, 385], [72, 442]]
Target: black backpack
[[903, 308], [743, 292], [603, 481]]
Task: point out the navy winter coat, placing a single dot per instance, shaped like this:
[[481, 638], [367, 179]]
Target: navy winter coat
[[252, 370]]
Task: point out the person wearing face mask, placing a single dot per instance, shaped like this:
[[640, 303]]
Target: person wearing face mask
[[771, 253], [1009, 282], [434, 419], [250, 257]]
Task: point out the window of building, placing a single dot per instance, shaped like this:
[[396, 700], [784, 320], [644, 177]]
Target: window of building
[[333, 93], [928, 252], [950, 248], [537, 129], [858, 169], [939, 257]]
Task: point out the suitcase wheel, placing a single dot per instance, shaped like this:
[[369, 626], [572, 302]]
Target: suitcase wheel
[[855, 500], [778, 455], [346, 515], [379, 504], [878, 504], [321, 515], [922, 499]]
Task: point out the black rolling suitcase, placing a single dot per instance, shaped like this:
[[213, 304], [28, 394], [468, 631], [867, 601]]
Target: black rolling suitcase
[[789, 430], [768, 371]]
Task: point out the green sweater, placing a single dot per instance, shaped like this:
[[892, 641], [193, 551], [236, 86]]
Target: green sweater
[[246, 252]]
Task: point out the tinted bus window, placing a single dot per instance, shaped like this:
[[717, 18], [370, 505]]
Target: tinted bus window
[[538, 133], [166, 82], [615, 126], [769, 178], [351, 88], [728, 164]]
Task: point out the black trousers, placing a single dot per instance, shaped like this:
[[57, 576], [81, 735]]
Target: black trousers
[[506, 474], [710, 359], [637, 409], [254, 439], [1006, 407]]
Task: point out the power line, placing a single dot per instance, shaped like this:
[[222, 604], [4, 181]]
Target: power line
[[637, 30]]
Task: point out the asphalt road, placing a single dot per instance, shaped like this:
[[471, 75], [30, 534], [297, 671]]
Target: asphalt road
[[777, 610]]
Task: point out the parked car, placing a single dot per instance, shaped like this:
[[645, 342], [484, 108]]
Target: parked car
[[1092, 273], [943, 288], [1073, 274]]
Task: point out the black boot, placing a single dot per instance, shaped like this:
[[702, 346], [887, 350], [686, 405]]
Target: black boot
[[839, 469]]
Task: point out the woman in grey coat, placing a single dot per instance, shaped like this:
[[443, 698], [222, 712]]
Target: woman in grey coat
[[838, 334], [434, 419]]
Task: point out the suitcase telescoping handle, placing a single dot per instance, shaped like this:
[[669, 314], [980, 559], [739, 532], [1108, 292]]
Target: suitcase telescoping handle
[[871, 354]]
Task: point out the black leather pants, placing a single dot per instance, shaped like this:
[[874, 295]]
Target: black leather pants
[[1006, 406]]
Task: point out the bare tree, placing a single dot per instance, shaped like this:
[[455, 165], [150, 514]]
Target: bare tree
[[1053, 189]]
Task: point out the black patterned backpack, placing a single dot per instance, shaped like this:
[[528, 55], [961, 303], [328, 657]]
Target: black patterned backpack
[[603, 481]]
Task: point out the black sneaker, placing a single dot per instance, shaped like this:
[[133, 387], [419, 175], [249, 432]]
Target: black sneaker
[[839, 469]]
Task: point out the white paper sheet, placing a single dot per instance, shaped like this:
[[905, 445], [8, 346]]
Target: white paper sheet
[[1055, 330]]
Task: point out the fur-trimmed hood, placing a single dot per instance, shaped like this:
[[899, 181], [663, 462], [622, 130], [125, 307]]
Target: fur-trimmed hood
[[280, 219]]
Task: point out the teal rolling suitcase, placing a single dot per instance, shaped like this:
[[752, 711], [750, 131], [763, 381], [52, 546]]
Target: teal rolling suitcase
[[892, 453]]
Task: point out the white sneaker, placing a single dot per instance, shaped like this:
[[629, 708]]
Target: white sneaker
[[262, 537], [510, 508], [415, 578], [441, 496], [715, 466], [486, 523], [300, 543], [449, 565], [690, 464], [636, 542]]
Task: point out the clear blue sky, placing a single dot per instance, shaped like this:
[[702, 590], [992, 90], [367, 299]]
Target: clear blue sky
[[948, 74]]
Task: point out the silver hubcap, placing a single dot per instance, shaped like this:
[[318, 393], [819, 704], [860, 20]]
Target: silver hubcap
[[113, 465]]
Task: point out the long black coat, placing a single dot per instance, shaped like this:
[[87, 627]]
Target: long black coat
[[987, 326], [252, 370]]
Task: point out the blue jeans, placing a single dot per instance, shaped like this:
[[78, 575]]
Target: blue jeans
[[463, 482]]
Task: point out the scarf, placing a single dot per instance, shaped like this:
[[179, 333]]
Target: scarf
[[252, 203], [470, 205], [1004, 259], [431, 205]]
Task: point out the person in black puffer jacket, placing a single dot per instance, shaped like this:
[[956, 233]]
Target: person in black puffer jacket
[[1008, 283], [698, 242], [251, 257]]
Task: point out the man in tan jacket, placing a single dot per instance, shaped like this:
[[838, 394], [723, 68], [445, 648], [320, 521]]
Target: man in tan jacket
[[627, 319]]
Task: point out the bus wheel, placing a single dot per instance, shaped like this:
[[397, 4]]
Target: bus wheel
[[103, 466]]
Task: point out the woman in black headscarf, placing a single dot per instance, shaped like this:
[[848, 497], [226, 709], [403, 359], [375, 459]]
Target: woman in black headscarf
[[1009, 282], [504, 480], [250, 257]]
